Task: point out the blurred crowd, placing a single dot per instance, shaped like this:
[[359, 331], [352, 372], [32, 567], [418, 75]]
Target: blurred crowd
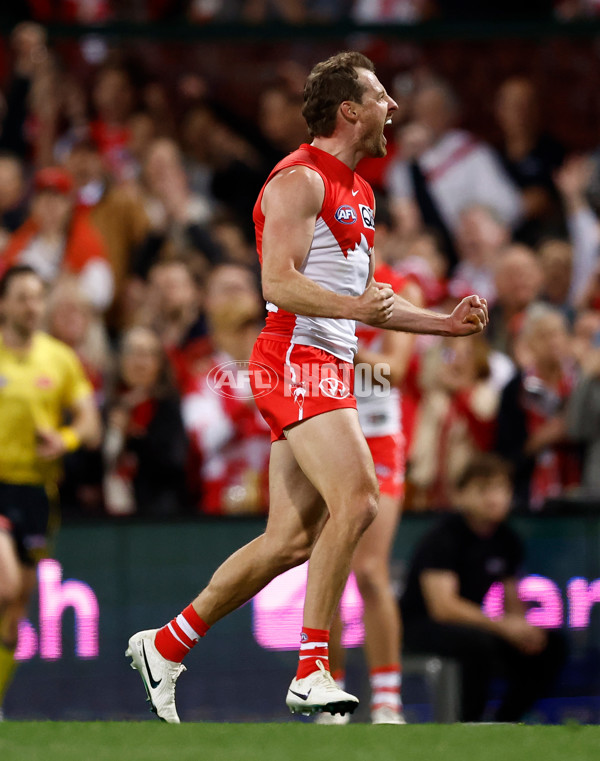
[[133, 201], [296, 11]]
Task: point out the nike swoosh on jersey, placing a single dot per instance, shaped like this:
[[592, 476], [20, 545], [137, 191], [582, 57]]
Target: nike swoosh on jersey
[[354, 192]]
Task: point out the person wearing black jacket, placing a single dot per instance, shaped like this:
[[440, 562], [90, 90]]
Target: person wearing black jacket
[[531, 432], [145, 447], [451, 572]]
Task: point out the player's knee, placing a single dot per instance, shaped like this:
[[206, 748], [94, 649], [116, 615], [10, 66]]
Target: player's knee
[[367, 504], [371, 576], [292, 552], [298, 554]]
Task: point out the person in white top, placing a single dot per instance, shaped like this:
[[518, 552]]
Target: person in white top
[[458, 169]]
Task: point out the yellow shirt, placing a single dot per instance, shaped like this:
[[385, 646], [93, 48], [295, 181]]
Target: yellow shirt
[[36, 389]]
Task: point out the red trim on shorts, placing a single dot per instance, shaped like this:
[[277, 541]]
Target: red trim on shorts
[[306, 382]]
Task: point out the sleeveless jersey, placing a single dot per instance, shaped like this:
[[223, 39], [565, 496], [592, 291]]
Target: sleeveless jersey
[[339, 254], [378, 415]]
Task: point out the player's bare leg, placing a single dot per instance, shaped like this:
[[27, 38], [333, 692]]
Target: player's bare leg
[[371, 564], [296, 516], [332, 451], [10, 573], [17, 583], [17, 608], [381, 616]]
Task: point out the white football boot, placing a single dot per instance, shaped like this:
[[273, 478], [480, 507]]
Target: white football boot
[[158, 674], [319, 692], [387, 715]]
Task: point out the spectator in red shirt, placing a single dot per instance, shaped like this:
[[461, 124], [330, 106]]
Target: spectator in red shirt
[[456, 417], [230, 441], [114, 98]]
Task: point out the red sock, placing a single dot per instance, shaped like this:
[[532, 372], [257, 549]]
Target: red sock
[[386, 687], [314, 646], [175, 640]]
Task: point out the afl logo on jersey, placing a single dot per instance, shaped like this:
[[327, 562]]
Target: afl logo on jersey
[[346, 215]]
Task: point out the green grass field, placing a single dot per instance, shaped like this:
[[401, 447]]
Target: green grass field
[[152, 741]]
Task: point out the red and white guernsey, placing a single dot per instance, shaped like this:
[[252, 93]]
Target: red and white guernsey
[[339, 254], [378, 415]]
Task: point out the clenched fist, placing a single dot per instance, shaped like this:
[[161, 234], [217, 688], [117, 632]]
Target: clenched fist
[[468, 317], [375, 305]]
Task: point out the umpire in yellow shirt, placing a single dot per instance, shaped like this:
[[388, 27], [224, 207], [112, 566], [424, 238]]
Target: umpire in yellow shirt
[[47, 408]]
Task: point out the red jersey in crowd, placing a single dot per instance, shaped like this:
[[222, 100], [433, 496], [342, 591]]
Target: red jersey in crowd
[[229, 440]]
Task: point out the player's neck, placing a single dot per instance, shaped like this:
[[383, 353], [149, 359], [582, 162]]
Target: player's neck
[[347, 152], [16, 339]]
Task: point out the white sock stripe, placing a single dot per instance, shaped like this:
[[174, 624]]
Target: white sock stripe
[[322, 657], [313, 645], [389, 679], [174, 633], [391, 699], [187, 629]]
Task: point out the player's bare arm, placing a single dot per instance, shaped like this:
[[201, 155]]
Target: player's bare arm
[[291, 203], [469, 316], [396, 347]]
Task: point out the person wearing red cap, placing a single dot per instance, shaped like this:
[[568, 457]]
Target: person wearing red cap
[[58, 238]]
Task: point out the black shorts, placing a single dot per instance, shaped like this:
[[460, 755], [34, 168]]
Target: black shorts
[[25, 512]]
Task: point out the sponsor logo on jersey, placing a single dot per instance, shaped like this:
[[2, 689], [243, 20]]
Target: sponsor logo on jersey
[[368, 217], [44, 382], [346, 215], [3, 381]]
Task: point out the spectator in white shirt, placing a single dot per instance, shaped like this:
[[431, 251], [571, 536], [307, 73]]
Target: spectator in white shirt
[[449, 165]]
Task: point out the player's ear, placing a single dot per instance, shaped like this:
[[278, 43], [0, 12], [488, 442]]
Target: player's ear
[[349, 111]]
